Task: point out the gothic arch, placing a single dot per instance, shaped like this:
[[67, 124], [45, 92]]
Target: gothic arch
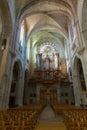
[[34, 7], [60, 30], [26, 7], [84, 20], [78, 67], [14, 85], [74, 69], [19, 62], [78, 81], [16, 80]]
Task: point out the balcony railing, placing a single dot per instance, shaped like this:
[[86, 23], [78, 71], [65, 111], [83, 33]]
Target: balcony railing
[[50, 77], [47, 76]]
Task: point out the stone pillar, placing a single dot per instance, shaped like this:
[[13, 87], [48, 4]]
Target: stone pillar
[[84, 65], [3, 74], [77, 90], [84, 98], [2, 36], [85, 77], [16, 36], [31, 61], [7, 74], [7, 81], [3, 93], [79, 38], [19, 90]]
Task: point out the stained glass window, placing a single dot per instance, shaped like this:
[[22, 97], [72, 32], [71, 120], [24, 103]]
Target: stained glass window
[[47, 49], [22, 33], [49, 56]]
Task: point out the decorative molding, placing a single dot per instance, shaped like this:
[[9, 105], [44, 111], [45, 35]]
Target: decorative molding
[[13, 53], [80, 50]]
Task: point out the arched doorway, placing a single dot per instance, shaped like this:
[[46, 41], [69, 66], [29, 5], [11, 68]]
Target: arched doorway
[[81, 76], [82, 83], [14, 86], [79, 82]]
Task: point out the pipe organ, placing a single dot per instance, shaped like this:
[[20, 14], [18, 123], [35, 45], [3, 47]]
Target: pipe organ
[[47, 68], [47, 63]]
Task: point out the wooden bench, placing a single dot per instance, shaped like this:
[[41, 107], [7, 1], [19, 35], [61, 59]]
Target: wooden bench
[[59, 108], [20, 118], [75, 119]]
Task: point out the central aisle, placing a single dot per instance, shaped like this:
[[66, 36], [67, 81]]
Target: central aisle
[[48, 120], [50, 126], [47, 114]]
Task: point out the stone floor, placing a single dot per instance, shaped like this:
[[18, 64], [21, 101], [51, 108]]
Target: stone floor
[[48, 120], [49, 115], [50, 126]]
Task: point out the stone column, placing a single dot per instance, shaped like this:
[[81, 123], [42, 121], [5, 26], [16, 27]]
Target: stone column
[[16, 36], [19, 91], [84, 65], [2, 93], [8, 74], [7, 80], [2, 36], [79, 38], [31, 60], [3, 74], [77, 90]]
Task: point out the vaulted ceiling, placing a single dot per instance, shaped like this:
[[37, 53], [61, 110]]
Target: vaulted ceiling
[[49, 17]]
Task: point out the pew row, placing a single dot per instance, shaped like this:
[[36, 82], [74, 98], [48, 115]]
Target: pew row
[[75, 118], [21, 118]]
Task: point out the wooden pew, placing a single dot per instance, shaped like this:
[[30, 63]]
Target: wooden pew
[[59, 108], [76, 119], [21, 118]]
